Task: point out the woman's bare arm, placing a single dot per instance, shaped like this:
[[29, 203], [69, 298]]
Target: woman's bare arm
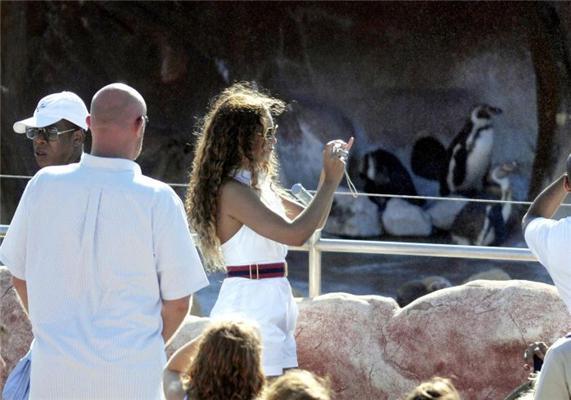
[[243, 204]]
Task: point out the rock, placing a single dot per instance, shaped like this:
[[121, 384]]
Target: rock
[[494, 274], [414, 289], [444, 212], [468, 333], [401, 218], [434, 283], [353, 217], [15, 328]]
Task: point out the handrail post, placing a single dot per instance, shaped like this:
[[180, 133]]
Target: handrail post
[[314, 265]]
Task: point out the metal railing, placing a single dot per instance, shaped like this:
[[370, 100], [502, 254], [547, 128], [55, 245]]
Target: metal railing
[[317, 245]]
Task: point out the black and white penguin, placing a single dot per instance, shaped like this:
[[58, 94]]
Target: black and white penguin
[[483, 224], [382, 172], [470, 153]]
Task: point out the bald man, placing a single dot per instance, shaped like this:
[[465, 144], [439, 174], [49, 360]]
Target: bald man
[[106, 266]]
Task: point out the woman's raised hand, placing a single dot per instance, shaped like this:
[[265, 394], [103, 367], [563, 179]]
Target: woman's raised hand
[[335, 156]]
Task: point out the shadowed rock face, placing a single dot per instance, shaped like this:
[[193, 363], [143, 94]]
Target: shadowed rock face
[[382, 72]]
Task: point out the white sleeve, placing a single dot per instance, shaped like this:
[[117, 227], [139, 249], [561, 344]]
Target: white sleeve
[[13, 248], [537, 234], [179, 268], [552, 381]]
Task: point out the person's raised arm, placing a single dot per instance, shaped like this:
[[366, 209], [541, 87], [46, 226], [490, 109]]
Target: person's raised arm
[[242, 204], [548, 201]]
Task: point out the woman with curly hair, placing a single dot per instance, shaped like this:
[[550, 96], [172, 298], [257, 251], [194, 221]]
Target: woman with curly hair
[[244, 220], [226, 365]]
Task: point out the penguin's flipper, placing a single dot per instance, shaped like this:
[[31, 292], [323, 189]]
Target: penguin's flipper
[[461, 158], [429, 158]]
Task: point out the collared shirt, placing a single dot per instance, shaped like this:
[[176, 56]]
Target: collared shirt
[[550, 241], [99, 246]]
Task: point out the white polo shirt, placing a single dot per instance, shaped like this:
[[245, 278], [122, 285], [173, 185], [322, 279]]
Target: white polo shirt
[[550, 241], [99, 246]]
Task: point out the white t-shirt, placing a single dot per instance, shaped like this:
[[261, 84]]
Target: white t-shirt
[[99, 246], [550, 241], [555, 375]]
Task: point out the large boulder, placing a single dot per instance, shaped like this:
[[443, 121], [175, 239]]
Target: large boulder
[[15, 328], [474, 333]]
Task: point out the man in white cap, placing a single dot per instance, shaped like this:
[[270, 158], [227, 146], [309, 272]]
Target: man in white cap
[[57, 129], [103, 260]]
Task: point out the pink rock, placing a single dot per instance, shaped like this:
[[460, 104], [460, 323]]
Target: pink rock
[[474, 334], [15, 327]]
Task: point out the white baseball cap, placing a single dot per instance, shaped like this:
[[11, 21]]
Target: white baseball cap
[[53, 108]]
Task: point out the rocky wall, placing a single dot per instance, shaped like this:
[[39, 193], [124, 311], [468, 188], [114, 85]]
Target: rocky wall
[[383, 72]]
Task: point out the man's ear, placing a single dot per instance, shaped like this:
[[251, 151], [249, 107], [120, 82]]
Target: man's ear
[[78, 138], [567, 184]]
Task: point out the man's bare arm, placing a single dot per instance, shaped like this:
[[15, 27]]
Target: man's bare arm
[[173, 313], [22, 290], [548, 201]]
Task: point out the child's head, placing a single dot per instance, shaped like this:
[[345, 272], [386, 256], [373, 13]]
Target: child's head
[[435, 388], [299, 385], [227, 364]]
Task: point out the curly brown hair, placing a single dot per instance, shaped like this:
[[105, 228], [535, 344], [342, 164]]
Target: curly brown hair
[[435, 388], [226, 138], [227, 365], [299, 384]]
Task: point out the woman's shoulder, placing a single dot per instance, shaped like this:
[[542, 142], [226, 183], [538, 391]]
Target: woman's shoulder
[[233, 189]]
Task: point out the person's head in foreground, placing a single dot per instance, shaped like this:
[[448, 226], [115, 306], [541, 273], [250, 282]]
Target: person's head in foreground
[[117, 121], [57, 129], [237, 133], [227, 365], [299, 384], [435, 388]]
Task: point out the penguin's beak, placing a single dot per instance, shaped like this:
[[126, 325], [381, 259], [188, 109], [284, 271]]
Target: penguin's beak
[[496, 110]]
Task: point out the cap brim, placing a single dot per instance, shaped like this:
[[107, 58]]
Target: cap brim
[[34, 122]]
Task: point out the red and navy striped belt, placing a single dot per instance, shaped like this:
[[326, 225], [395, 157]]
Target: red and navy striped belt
[[257, 271]]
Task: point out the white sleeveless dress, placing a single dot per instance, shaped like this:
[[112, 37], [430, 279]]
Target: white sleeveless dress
[[268, 303]]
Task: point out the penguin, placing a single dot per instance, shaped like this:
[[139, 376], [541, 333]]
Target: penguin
[[382, 172], [470, 153], [483, 224], [429, 158]]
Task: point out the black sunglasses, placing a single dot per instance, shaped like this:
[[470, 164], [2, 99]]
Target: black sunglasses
[[50, 133]]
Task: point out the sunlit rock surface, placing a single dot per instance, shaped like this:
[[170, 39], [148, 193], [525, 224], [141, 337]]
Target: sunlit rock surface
[[474, 333], [15, 327]]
